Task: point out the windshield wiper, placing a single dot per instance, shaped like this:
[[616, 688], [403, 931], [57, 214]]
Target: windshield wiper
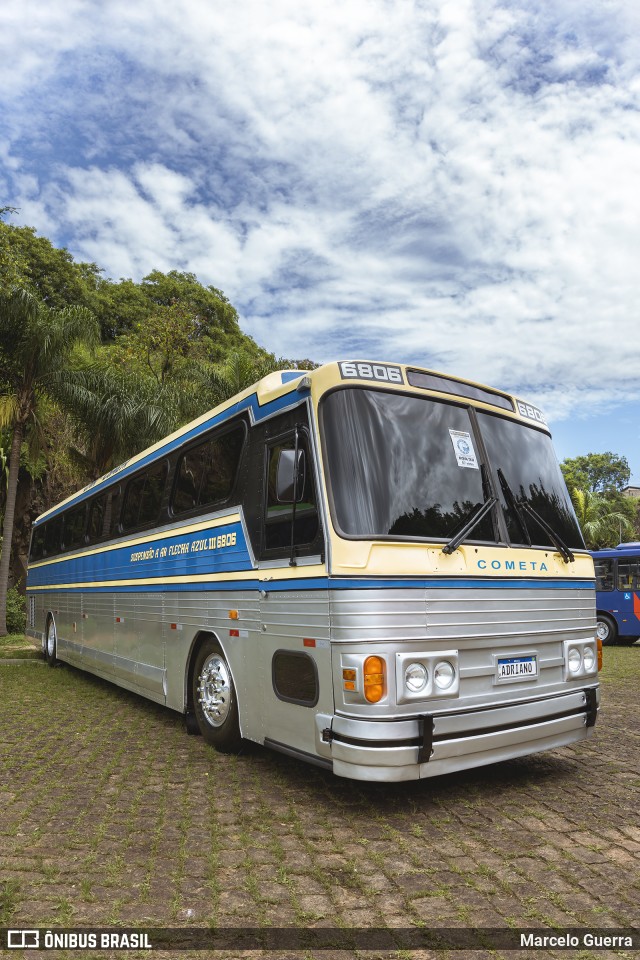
[[480, 513], [518, 506], [559, 544], [514, 506]]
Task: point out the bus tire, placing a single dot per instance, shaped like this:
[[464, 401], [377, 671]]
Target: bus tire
[[51, 643], [606, 629], [215, 703]]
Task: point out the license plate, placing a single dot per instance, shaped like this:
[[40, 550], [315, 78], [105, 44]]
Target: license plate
[[516, 668]]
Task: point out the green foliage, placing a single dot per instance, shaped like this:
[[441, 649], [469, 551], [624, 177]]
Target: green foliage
[[118, 307], [238, 372], [163, 343], [36, 345], [16, 614], [125, 309], [604, 520], [116, 413], [597, 472], [51, 273]]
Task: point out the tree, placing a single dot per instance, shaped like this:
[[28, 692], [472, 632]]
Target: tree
[[237, 373], [217, 383], [116, 414], [597, 472], [51, 273], [36, 344], [161, 345], [602, 525]]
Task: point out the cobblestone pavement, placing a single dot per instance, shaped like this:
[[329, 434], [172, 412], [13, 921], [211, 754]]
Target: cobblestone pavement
[[110, 814]]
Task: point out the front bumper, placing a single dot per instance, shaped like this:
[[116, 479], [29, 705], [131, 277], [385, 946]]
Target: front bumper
[[430, 745]]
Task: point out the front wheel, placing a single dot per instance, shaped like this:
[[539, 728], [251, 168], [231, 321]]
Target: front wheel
[[606, 629], [214, 698], [51, 643]]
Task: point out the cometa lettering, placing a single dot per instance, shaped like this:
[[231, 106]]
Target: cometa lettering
[[526, 566]]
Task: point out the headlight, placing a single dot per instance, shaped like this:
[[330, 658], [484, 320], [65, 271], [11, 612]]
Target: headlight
[[580, 659], [416, 677], [426, 675], [574, 660], [444, 674]]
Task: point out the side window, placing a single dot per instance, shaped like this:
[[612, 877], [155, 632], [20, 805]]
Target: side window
[[114, 504], [206, 474], [74, 528], [95, 523], [604, 574], [151, 500], [53, 536], [279, 516], [143, 497], [628, 574], [133, 494], [37, 544]]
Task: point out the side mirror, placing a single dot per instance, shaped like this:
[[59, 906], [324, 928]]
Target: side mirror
[[285, 476]]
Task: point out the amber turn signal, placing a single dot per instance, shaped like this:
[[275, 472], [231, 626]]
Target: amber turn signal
[[374, 679]]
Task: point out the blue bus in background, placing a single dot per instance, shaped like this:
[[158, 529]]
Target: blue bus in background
[[618, 592]]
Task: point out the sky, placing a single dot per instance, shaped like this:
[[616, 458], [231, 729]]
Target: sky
[[451, 183]]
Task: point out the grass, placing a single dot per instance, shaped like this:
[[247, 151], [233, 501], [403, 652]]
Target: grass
[[9, 890], [15, 646], [620, 663]]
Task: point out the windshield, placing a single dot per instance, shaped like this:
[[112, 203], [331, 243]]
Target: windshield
[[529, 472], [411, 467], [394, 470]]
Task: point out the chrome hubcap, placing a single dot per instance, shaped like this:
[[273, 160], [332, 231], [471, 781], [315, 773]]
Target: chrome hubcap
[[602, 631], [51, 639], [214, 690]]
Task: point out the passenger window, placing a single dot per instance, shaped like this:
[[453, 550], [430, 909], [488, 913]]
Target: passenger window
[[74, 528], [628, 575], [278, 515], [206, 474], [37, 544], [112, 519], [143, 498], [53, 536], [95, 524], [604, 574]]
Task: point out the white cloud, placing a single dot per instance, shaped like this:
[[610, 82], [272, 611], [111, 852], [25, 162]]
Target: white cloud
[[449, 183]]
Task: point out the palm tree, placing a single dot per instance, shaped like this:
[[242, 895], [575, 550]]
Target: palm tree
[[600, 522], [36, 344], [238, 372], [116, 413]]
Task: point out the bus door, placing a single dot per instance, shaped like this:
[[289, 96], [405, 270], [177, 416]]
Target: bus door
[[628, 613], [294, 637]]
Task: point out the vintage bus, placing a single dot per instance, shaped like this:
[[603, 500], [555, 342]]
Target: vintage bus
[[370, 566], [617, 593]]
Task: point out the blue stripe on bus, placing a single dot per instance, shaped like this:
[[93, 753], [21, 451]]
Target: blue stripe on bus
[[249, 403], [220, 548], [326, 583]]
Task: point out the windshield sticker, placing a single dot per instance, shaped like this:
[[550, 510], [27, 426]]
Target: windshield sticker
[[463, 449]]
